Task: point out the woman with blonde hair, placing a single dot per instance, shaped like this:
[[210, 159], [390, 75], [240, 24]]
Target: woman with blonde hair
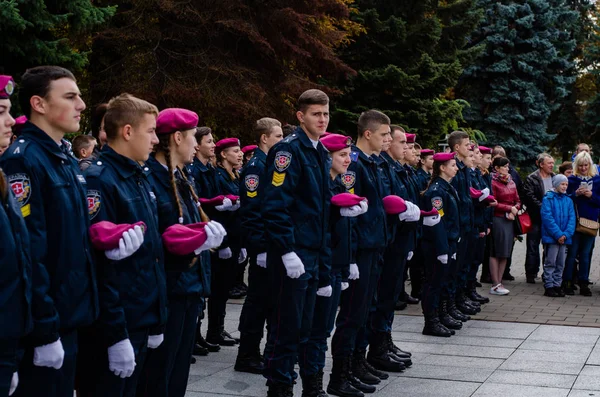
[[584, 189]]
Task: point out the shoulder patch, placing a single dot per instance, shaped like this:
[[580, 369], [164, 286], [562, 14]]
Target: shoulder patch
[[354, 156], [282, 161], [251, 181], [349, 180], [20, 184], [93, 203], [293, 136], [437, 203]]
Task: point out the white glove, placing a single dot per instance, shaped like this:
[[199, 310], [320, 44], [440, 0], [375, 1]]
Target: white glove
[[431, 220], [354, 273], [293, 265], [412, 213], [227, 204], [51, 355], [235, 206], [443, 259], [261, 260], [410, 255], [14, 382], [453, 256], [214, 237], [345, 286], [225, 253], [243, 255], [131, 241], [155, 340], [355, 210], [325, 291], [486, 193], [121, 359]]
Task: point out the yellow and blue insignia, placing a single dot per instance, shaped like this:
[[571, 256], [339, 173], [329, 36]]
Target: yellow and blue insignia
[[438, 204], [20, 184], [93, 203], [348, 180], [251, 182], [282, 161], [278, 178]]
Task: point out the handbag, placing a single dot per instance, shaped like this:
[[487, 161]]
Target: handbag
[[522, 224], [587, 226]]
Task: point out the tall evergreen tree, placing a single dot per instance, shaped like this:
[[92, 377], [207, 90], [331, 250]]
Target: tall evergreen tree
[[592, 57], [38, 32], [412, 55], [523, 73]]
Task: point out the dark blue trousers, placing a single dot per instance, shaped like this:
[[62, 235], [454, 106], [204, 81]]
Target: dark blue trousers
[[354, 305], [291, 316], [167, 368], [312, 353], [9, 359], [222, 280], [437, 276], [477, 251], [256, 306], [456, 267], [49, 382]]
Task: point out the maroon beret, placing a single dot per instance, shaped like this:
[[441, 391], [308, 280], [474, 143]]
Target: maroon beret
[[227, 143], [249, 148], [175, 119], [427, 152], [485, 150], [443, 157], [106, 235], [411, 138], [471, 148], [394, 205], [489, 199], [213, 201], [335, 142], [7, 86], [184, 239], [232, 197], [346, 200], [431, 212], [326, 133], [20, 120], [475, 194]]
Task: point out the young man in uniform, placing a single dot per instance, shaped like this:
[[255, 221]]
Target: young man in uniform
[[132, 282], [254, 312], [295, 214], [51, 192]]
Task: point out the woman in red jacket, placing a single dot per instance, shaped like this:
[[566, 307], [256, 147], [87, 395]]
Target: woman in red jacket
[[505, 192]]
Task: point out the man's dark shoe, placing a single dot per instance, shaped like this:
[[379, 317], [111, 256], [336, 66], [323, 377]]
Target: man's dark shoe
[[199, 350], [550, 292], [457, 314], [400, 305], [360, 371], [584, 289], [475, 297], [359, 385], [568, 288], [433, 327], [193, 360], [280, 390], [478, 284], [409, 299], [395, 349], [222, 339], [530, 279], [200, 341], [508, 276], [487, 279], [250, 363], [559, 292], [312, 386]]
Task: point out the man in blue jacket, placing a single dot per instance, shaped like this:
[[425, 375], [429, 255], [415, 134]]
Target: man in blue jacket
[[131, 278], [295, 214], [254, 312], [50, 191]]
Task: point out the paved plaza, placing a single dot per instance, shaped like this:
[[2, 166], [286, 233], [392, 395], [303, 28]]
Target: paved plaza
[[523, 344]]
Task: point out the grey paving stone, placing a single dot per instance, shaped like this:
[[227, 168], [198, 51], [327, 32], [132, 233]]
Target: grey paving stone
[[567, 334], [206, 366], [416, 387], [594, 358], [468, 362], [555, 347], [442, 372], [581, 393], [496, 325], [547, 367], [564, 357], [532, 379], [401, 337], [496, 389], [570, 330], [458, 350], [517, 333], [588, 379]]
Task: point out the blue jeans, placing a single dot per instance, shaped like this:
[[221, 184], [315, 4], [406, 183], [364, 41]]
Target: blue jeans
[[554, 264], [580, 249]]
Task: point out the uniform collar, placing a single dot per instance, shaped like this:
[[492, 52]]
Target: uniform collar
[[459, 163], [125, 166], [259, 155], [35, 133], [307, 142], [160, 172], [362, 154]]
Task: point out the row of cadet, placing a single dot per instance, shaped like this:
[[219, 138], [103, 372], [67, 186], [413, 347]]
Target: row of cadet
[[106, 271]]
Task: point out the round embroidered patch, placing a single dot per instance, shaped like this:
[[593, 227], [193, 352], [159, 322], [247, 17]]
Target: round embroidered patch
[[349, 179], [93, 203], [21, 187], [251, 182], [437, 203], [282, 161]]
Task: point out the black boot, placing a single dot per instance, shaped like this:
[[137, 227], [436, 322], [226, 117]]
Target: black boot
[[380, 374], [280, 390], [249, 359], [400, 305], [464, 307], [199, 350], [360, 371], [551, 292], [201, 342], [568, 288], [359, 385], [584, 289], [475, 297], [447, 320], [395, 349], [433, 327], [339, 383], [380, 358], [216, 332], [409, 299], [454, 312], [312, 386]]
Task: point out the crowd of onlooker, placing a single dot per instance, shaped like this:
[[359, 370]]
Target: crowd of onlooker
[[557, 207]]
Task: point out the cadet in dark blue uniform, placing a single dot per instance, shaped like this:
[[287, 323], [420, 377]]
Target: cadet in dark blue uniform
[[254, 312], [369, 239], [225, 261], [460, 144], [295, 213], [15, 257], [51, 193], [423, 173], [203, 173], [188, 277], [441, 232], [132, 278]]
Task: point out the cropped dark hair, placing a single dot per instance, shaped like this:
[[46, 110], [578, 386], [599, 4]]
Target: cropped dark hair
[[500, 162], [455, 138], [36, 82], [312, 97], [371, 120]]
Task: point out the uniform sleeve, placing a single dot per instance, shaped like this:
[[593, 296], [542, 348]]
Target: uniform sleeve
[[436, 233], [325, 262], [26, 184], [251, 194], [102, 207], [280, 191]]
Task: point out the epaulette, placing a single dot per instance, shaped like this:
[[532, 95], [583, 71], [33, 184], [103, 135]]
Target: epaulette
[[146, 170], [18, 147], [290, 138], [95, 169], [354, 156]]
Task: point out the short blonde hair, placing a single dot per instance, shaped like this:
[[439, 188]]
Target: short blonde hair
[[265, 126], [582, 158], [125, 109]]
